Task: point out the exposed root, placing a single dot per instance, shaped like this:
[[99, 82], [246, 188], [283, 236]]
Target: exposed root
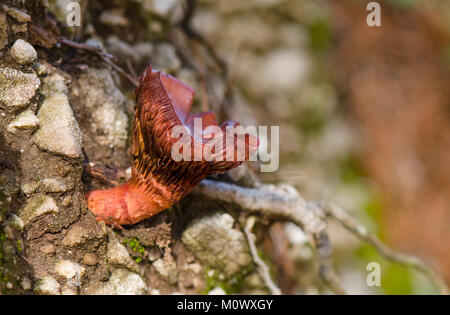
[[286, 204], [280, 205], [106, 57], [263, 270]]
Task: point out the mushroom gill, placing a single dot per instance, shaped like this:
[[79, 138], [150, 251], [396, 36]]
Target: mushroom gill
[[158, 180]]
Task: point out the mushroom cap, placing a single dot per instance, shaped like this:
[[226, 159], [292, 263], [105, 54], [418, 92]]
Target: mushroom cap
[[158, 180], [164, 103]]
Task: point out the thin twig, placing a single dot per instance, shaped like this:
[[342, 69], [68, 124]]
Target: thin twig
[[106, 57], [284, 205], [131, 69], [185, 25], [336, 212], [262, 267]]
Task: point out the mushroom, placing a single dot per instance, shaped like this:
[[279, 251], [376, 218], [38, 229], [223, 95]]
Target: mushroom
[[158, 179]]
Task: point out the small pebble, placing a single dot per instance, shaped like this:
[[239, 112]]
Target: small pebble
[[153, 253], [19, 28], [23, 52], [26, 284], [30, 188], [47, 286], [9, 232], [68, 291], [16, 222], [90, 259], [25, 120], [54, 185], [48, 249], [217, 291], [66, 201]]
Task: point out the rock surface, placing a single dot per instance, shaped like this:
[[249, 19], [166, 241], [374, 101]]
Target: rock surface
[[167, 269], [121, 282], [90, 259], [19, 15], [215, 242], [99, 94], [30, 188], [69, 269], [23, 52], [163, 7], [16, 222], [25, 120], [17, 88], [47, 286], [138, 53], [48, 249], [165, 58], [55, 185], [36, 206], [79, 233], [60, 136], [118, 254]]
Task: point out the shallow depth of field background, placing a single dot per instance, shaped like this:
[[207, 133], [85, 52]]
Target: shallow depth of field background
[[363, 115]]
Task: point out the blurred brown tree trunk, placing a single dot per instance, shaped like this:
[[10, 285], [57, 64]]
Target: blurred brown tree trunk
[[397, 85]]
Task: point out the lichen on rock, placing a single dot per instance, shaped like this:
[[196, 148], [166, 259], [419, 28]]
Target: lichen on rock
[[167, 269], [17, 88], [25, 120], [36, 206], [215, 242], [121, 282], [47, 286], [97, 92], [23, 52], [62, 135], [56, 185]]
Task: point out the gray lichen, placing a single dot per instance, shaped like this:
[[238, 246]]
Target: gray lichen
[[216, 243], [62, 135], [17, 88], [23, 52], [98, 93]]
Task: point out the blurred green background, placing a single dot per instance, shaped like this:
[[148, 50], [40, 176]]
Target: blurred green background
[[363, 111], [363, 116]]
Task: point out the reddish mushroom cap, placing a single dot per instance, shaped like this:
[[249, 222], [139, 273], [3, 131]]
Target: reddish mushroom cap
[[164, 103]]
